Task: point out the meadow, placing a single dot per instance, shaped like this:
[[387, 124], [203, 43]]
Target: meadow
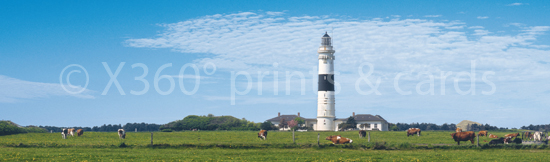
[[245, 145]]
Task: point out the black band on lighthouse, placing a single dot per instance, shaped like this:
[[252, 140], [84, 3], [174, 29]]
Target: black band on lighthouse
[[326, 82]]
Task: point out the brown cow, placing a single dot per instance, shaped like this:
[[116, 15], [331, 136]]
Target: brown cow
[[492, 136], [464, 136], [458, 130], [512, 135], [262, 135], [71, 131], [528, 135], [362, 133], [79, 132], [339, 139], [413, 131], [482, 133]]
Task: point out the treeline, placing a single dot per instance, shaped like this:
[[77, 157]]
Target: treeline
[[447, 127], [141, 127], [8, 127], [544, 127], [210, 122]]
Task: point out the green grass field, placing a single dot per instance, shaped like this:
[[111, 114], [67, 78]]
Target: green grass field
[[104, 139], [244, 145]]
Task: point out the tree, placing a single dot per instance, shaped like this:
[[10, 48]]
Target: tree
[[299, 120], [267, 125], [394, 128], [350, 123], [283, 123], [292, 124], [351, 120]]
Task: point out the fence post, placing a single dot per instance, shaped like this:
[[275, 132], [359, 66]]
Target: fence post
[[369, 136], [151, 138], [318, 135], [293, 140], [478, 141]]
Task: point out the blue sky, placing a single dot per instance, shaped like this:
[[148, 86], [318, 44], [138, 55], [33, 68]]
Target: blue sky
[[507, 41]]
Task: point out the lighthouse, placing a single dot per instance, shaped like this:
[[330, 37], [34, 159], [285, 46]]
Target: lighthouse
[[325, 93]]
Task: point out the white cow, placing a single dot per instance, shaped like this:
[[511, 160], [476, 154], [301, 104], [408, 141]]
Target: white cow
[[121, 133], [71, 131], [64, 133], [538, 136]]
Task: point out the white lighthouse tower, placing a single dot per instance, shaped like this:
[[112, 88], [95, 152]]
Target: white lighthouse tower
[[325, 94]]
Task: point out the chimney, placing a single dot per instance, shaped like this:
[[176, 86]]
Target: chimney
[[353, 114], [298, 113], [279, 114]]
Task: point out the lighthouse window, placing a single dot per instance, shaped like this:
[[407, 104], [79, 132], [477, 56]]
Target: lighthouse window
[[325, 123]]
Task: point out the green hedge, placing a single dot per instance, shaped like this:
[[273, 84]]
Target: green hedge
[[7, 128]]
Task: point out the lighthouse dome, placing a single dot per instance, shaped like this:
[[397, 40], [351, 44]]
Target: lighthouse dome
[[326, 40]]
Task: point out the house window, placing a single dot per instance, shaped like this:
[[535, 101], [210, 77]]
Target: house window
[[325, 123], [375, 125]]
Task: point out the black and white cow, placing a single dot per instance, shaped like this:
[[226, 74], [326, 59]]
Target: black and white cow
[[64, 133]]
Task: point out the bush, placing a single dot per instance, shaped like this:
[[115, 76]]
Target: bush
[[166, 130], [8, 127]]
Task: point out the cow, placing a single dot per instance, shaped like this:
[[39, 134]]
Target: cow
[[79, 132], [71, 131], [508, 139], [262, 135], [121, 133], [537, 136], [464, 136], [64, 133], [512, 135], [528, 135], [458, 130], [362, 134], [339, 139], [482, 133], [497, 141], [492, 136], [413, 131], [517, 140]]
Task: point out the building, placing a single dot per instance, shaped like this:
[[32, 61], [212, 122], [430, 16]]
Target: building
[[326, 118], [325, 92], [364, 122]]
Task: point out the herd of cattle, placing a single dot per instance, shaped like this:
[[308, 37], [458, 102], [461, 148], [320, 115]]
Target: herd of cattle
[[470, 136], [70, 131], [458, 136]]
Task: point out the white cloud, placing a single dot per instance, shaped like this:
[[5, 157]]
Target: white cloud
[[189, 76], [476, 27], [482, 17], [481, 32], [516, 4], [14, 90], [432, 15], [254, 41]]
